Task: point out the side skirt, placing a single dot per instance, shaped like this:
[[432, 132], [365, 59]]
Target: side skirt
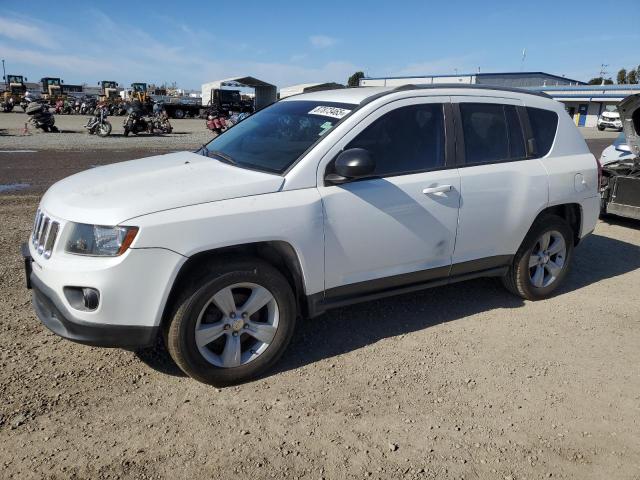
[[350, 294]]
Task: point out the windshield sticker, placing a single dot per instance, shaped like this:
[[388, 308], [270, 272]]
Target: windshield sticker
[[326, 126], [333, 112]]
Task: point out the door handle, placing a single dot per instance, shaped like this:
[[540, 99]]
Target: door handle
[[438, 189]]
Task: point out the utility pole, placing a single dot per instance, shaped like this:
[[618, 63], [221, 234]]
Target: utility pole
[[603, 72], [524, 55], [4, 75]]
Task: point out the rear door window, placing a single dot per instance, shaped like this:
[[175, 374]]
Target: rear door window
[[492, 133]]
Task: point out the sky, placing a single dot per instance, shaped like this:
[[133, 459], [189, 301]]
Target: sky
[[286, 43]]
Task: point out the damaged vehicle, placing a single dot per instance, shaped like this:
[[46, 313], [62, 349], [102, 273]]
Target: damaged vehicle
[[620, 186], [318, 201]]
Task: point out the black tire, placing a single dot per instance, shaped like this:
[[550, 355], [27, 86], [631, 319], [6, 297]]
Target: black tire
[[104, 130], [518, 279], [54, 129], [178, 113], [179, 331], [600, 128], [126, 132]]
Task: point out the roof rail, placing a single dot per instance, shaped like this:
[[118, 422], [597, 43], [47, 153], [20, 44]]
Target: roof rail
[[435, 86]]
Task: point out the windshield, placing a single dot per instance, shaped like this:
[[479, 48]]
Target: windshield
[[273, 139]]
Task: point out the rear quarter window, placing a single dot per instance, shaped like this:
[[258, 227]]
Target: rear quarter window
[[544, 124]]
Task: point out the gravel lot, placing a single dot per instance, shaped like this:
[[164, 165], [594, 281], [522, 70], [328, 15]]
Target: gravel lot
[[464, 381], [73, 136]]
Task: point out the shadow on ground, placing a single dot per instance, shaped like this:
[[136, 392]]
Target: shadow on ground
[[346, 329]]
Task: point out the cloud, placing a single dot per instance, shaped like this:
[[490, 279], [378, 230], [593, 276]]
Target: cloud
[[60, 62], [21, 31], [439, 66], [322, 41], [170, 52]]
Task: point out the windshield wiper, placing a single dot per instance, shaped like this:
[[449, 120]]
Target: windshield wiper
[[221, 156]]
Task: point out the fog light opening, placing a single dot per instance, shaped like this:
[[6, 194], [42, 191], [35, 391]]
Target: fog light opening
[[91, 298], [85, 299]]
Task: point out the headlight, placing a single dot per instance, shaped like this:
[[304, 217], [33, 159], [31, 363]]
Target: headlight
[[99, 240]]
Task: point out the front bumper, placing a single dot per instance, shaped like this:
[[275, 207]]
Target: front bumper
[[53, 314], [132, 296], [609, 124]]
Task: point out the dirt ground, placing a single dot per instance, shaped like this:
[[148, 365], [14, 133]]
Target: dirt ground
[[464, 381]]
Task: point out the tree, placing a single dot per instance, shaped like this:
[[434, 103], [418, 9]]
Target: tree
[[638, 74], [622, 76], [632, 77], [354, 80], [600, 81]]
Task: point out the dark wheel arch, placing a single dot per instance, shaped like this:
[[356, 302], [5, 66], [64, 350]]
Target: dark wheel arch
[[279, 254]]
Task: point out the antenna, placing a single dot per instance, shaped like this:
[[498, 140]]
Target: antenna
[[603, 71]]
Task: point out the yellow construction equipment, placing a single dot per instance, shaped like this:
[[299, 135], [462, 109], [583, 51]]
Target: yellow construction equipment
[[15, 89]]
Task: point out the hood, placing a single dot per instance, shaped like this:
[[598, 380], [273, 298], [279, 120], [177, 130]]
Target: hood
[[629, 110], [114, 193]]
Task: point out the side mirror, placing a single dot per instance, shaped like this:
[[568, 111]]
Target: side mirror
[[352, 164]]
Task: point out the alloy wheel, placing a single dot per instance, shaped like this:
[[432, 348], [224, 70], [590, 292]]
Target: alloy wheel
[[547, 259], [236, 325]]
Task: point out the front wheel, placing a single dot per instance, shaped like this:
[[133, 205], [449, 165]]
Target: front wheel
[[542, 262], [233, 324], [600, 128], [104, 129], [178, 113]]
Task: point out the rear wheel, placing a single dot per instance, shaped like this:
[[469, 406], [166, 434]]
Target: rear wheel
[[542, 262], [178, 113], [232, 324]]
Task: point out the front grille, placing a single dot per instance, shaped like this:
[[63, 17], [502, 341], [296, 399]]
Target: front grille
[[45, 232]]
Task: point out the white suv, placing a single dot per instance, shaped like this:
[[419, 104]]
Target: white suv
[[318, 201], [609, 119]]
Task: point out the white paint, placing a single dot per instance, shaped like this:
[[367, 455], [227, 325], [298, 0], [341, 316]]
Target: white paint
[[185, 204]]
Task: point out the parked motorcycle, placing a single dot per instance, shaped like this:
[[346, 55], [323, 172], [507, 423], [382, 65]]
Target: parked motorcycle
[[159, 123], [216, 121], [135, 122], [77, 105], [88, 106], [8, 105], [40, 116], [24, 103], [67, 107], [122, 108], [98, 124]]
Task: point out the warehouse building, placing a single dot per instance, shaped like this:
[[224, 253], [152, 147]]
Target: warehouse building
[[583, 102], [506, 79]]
